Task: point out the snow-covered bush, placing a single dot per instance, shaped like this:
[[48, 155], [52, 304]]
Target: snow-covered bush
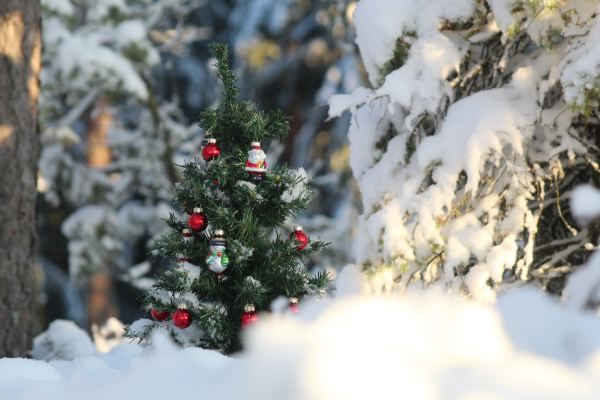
[[63, 340], [481, 117], [98, 64]]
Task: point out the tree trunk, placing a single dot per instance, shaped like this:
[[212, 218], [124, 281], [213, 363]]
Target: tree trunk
[[97, 141], [102, 303], [20, 60]]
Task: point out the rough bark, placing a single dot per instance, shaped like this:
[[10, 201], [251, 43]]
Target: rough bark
[[20, 55]]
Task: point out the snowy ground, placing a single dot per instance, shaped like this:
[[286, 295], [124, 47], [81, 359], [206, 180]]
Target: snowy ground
[[416, 346]]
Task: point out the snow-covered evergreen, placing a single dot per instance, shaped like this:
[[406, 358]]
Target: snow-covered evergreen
[[98, 59], [481, 118]]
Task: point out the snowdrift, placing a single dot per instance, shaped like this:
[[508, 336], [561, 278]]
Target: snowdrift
[[420, 345]]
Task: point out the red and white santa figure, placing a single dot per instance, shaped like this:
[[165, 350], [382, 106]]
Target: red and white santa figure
[[256, 165]]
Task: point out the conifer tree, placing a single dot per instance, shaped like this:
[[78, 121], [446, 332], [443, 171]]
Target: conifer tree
[[231, 257], [481, 118]]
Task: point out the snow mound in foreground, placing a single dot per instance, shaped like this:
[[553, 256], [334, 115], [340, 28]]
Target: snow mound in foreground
[[416, 346]]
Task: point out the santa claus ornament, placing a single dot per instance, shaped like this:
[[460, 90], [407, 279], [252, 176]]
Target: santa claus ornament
[[256, 165], [300, 238], [197, 220], [217, 259], [249, 316], [211, 150], [187, 235]]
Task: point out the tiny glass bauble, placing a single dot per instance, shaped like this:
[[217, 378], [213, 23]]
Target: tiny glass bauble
[[300, 238], [182, 318], [249, 316], [197, 220], [256, 164], [211, 150], [159, 315], [217, 259]]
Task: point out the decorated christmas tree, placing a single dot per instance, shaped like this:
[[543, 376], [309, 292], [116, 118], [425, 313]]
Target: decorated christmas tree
[[231, 254]]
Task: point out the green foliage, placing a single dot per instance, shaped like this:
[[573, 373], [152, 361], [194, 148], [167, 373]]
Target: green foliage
[[136, 53], [264, 262], [239, 118], [591, 100], [401, 50]]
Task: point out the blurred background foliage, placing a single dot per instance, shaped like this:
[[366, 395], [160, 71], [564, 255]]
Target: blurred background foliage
[[123, 84]]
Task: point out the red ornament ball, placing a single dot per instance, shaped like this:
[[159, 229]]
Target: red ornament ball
[[300, 237], [211, 150], [182, 318], [159, 315], [197, 220], [249, 316]]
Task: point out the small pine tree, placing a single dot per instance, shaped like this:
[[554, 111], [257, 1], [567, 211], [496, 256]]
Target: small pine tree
[[258, 262]]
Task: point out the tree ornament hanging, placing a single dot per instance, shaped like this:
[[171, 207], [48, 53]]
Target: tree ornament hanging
[[293, 304], [300, 237], [249, 316], [187, 235], [159, 315], [181, 259], [256, 165], [217, 259], [197, 220], [211, 150], [182, 318]]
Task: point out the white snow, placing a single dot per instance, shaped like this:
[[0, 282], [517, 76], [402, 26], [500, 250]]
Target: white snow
[[418, 83], [583, 287], [482, 123], [380, 22], [420, 346], [296, 191], [130, 31], [251, 187], [101, 8], [451, 186], [341, 102], [585, 202], [63, 7], [84, 56], [404, 222], [502, 12], [582, 66], [62, 341]]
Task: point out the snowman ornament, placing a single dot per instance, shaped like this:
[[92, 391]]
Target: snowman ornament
[[217, 259], [256, 165]]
